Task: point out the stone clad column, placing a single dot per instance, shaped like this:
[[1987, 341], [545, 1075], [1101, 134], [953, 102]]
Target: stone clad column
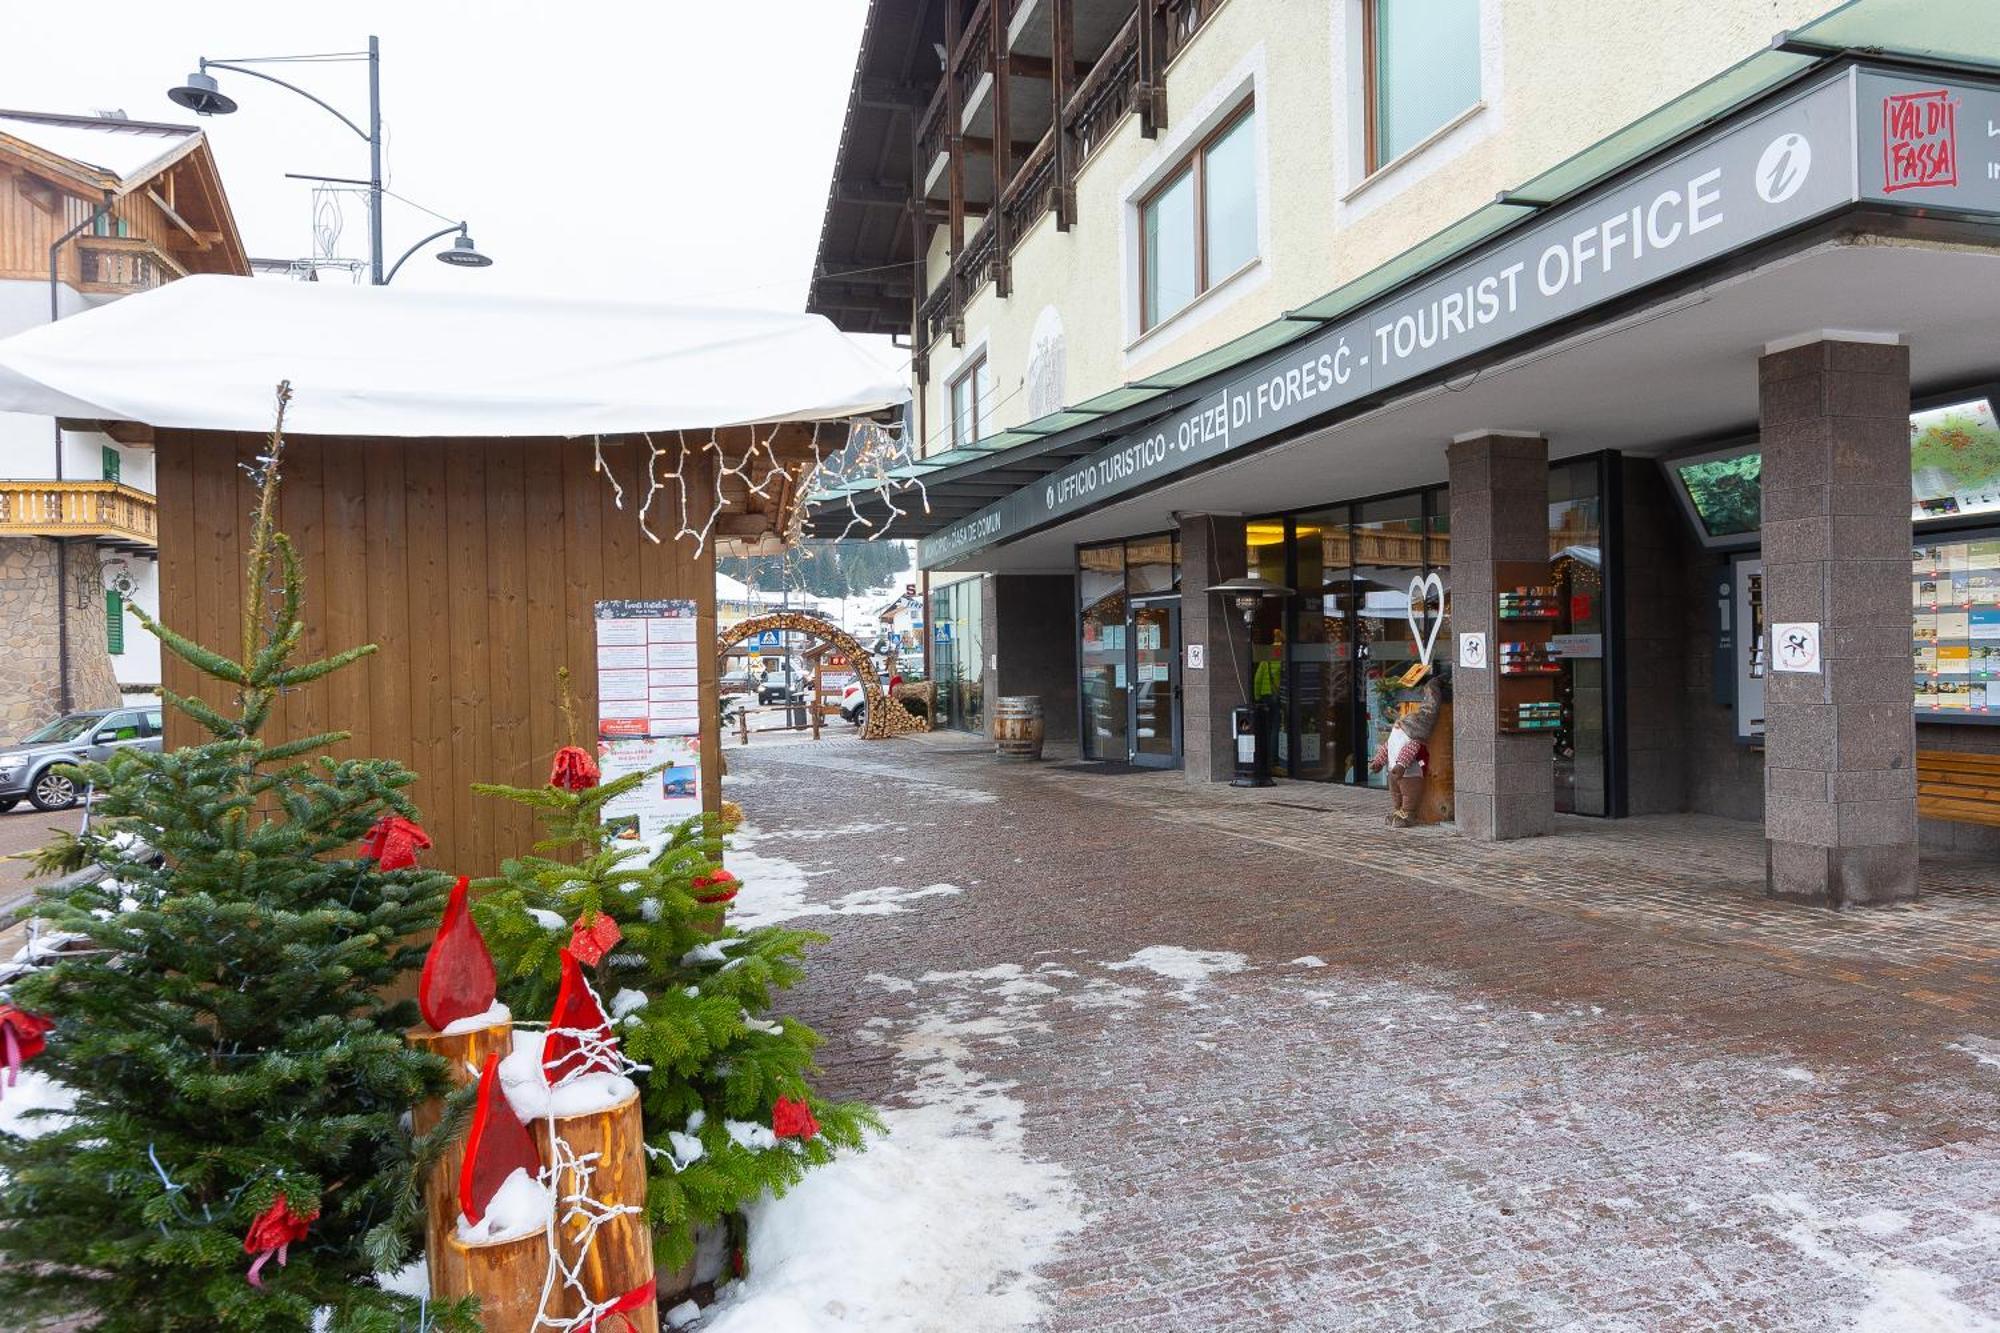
[[1212, 551], [1840, 792], [1503, 786]]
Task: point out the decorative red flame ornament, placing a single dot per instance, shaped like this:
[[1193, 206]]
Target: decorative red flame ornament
[[720, 887], [496, 1146], [393, 843], [579, 1040], [273, 1233], [792, 1119], [631, 1300], [574, 769], [458, 978], [592, 937], [21, 1040]]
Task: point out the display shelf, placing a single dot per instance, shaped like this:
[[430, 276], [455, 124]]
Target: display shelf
[[1527, 610]]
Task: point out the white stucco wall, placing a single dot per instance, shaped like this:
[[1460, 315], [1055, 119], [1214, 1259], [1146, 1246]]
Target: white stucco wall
[[1556, 76]]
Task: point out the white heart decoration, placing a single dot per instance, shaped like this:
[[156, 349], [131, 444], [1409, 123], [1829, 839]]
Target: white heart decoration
[[1420, 589]]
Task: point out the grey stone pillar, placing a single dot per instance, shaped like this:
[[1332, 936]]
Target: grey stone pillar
[[1031, 628], [1840, 792], [1212, 551], [1504, 786]]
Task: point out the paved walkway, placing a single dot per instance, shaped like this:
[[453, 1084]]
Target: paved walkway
[[1305, 1071]]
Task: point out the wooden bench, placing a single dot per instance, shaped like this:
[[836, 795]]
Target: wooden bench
[[1952, 784]]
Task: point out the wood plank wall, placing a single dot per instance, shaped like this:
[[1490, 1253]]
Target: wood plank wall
[[473, 565]]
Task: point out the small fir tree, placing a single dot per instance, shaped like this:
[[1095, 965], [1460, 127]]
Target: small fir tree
[[728, 1107], [240, 1079]]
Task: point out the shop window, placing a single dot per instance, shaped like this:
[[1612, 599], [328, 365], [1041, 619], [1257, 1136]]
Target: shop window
[[1199, 227], [113, 463], [971, 404], [958, 655], [1422, 71], [114, 623]]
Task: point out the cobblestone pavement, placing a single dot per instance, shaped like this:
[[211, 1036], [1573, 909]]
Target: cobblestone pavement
[[1308, 1072]]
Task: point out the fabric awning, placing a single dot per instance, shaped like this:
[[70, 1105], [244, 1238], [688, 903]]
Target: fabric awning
[[206, 353]]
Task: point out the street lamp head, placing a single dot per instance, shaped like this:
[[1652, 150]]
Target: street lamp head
[[464, 254], [201, 95]]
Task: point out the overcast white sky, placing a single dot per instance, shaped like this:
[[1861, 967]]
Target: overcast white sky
[[673, 150]]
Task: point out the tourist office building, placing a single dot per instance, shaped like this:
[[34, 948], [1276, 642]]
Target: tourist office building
[[1679, 461]]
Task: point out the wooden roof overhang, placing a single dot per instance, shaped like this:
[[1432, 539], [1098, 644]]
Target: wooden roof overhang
[[863, 273]]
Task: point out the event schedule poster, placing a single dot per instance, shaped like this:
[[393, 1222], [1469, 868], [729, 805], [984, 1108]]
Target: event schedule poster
[[1955, 611], [649, 713]]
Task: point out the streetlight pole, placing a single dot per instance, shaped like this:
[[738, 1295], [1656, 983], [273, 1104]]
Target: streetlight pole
[[375, 160], [201, 96]]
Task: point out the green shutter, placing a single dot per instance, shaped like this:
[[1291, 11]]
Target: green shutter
[[112, 462], [114, 623]]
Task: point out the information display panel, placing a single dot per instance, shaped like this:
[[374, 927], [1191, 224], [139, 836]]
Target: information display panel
[[1955, 614]]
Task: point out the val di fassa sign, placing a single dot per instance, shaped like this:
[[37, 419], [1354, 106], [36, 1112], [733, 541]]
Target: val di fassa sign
[[1777, 170]]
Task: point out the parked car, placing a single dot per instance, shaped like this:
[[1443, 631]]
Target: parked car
[[745, 681], [28, 769], [772, 689]]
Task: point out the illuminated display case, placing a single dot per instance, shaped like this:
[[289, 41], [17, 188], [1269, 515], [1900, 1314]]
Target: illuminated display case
[[1955, 613]]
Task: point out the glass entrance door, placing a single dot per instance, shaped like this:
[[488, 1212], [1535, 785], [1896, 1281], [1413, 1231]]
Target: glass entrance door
[[1156, 683]]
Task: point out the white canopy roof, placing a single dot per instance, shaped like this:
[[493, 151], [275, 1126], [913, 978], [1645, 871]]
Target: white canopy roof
[[207, 352]]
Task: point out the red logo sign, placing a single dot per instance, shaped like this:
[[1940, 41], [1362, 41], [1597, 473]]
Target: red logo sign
[[1919, 140]]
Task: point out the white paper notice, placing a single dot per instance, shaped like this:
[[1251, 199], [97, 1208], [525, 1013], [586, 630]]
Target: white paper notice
[[649, 714]]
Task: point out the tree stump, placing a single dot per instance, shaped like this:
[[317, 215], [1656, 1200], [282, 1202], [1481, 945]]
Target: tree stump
[[619, 1254], [508, 1276], [464, 1054]]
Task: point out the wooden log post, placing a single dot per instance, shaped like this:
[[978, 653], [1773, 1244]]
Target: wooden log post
[[508, 1276], [617, 1255], [464, 1054]]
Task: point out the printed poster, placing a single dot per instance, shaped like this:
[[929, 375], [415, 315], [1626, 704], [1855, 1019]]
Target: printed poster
[[649, 714]]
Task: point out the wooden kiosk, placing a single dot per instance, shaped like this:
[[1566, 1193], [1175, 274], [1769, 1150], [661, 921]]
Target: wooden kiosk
[[465, 478]]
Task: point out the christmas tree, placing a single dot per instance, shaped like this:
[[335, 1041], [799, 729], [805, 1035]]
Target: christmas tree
[[236, 1157], [725, 1087]]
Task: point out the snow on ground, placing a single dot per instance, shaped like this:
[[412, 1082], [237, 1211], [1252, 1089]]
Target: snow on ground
[[776, 889], [942, 1223], [1191, 967]]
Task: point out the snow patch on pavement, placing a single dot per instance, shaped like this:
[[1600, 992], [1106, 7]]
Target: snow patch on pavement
[[1193, 968], [1901, 1298], [775, 889], [941, 1224]]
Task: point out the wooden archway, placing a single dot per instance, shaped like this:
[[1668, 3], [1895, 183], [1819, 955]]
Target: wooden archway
[[886, 716]]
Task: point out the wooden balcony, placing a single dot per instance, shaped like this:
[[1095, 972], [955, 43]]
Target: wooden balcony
[[114, 514], [1035, 87], [122, 265]]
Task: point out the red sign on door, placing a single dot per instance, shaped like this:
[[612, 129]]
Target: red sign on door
[[1919, 140]]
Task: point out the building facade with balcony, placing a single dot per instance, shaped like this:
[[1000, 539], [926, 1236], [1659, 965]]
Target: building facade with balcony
[[1622, 367], [92, 208]]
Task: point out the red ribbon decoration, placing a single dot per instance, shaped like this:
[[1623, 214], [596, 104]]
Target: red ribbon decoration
[[393, 843], [273, 1233], [791, 1118], [725, 886], [577, 1011], [592, 937], [458, 978], [22, 1040], [574, 769], [496, 1146], [631, 1300]]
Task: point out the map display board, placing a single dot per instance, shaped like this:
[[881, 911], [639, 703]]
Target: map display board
[[1954, 460]]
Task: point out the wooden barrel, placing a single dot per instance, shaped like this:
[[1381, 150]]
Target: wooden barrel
[[1017, 727]]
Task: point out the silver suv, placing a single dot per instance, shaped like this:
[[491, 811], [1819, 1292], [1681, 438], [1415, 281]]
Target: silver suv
[[28, 767]]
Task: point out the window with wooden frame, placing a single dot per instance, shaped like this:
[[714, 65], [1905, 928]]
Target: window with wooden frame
[[1198, 227], [1421, 71], [971, 402]]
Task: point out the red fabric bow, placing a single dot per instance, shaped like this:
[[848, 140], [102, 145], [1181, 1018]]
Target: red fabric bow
[[21, 1040], [793, 1119], [273, 1233], [592, 937], [574, 769], [394, 842], [724, 887], [631, 1300]]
